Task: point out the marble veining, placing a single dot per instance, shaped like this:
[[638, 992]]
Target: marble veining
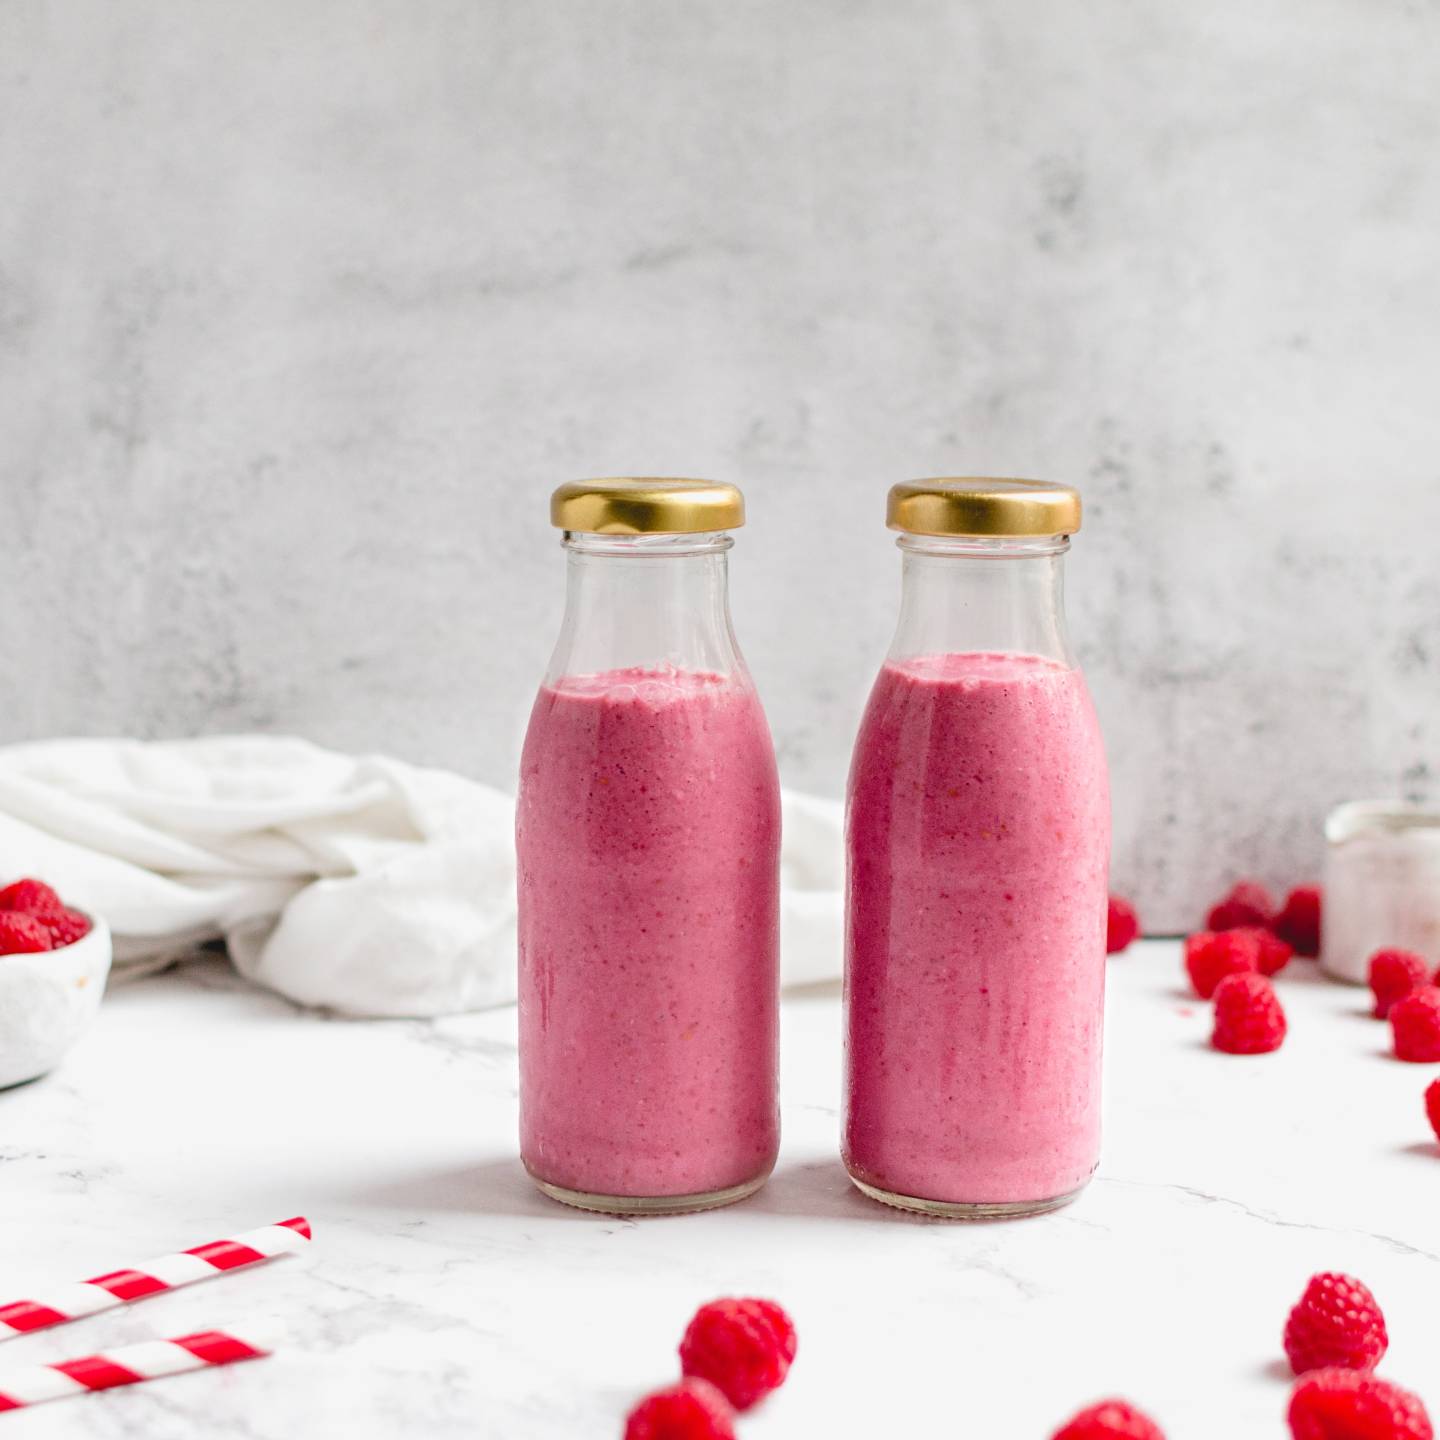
[[443, 1294]]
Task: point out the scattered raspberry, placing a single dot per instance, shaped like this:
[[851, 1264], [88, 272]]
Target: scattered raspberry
[[1272, 954], [1209, 958], [1122, 925], [1298, 922], [1248, 903], [30, 897], [691, 1410], [1393, 975], [66, 926], [743, 1347], [35, 900], [1432, 1106], [1110, 1420], [1355, 1405], [1336, 1323], [1248, 1017], [22, 934], [1415, 1021]]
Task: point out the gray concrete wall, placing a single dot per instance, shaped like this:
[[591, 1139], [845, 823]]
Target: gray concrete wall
[[305, 307]]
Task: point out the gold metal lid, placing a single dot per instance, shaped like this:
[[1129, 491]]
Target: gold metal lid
[[983, 506], [647, 505]]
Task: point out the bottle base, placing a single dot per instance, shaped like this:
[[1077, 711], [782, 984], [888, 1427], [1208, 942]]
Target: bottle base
[[633, 1205], [950, 1210]]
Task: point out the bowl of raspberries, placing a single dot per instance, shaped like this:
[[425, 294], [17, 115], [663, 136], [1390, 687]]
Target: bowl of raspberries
[[54, 961]]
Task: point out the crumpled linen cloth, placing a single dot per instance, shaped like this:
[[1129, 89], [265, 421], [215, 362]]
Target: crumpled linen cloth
[[359, 884]]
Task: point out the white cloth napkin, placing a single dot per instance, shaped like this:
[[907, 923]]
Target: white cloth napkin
[[361, 884]]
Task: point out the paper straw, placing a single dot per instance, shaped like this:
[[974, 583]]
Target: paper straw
[[72, 1302], [130, 1365]]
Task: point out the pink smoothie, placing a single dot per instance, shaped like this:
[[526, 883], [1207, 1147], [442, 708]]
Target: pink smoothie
[[978, 843], [648, 833]]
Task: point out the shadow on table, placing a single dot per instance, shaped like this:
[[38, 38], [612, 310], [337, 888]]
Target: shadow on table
[[821, 1190], [1428, 1148], [812, 1190], [497, 1186]]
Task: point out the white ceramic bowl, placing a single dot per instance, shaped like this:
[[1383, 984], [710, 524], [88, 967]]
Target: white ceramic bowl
[[47, 1002]]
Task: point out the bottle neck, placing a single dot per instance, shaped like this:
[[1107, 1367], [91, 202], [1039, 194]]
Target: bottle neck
[[968, 594], [646, 602]]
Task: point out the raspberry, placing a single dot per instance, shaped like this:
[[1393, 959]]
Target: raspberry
[[1432, 1106], [1248, 903], [1393, 975], [743, 1347], [1248, 1017], [30, 897], [1336, 1323], [691, 1410], [1298, 922], [1110, 1420], [1355, 1405], [22, 934], [1415, 1021], [66, 926], [1122, 925], [1209, 958], [1272, 954]]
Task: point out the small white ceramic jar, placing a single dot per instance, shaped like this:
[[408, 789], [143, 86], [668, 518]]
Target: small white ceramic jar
[[1382, 884]]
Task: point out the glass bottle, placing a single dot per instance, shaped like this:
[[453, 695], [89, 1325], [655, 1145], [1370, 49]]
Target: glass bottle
[[977, 847], [648, 842], [1382, 884]]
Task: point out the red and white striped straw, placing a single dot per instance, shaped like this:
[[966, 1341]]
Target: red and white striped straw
[[129, 1365], [168, 1272]]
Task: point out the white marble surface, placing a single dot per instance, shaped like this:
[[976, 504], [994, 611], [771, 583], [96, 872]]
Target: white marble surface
[[442, 1296]]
